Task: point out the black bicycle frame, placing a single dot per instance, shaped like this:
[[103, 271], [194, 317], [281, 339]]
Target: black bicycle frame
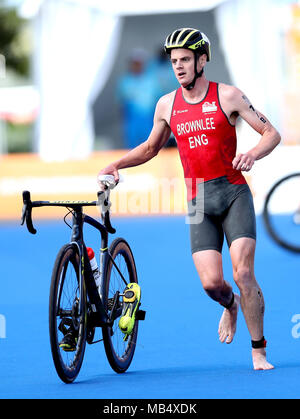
[[99, 316]]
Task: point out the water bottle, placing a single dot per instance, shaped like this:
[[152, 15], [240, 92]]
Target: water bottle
[[94, 267]]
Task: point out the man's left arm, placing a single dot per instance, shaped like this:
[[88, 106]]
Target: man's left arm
[[270, 137]]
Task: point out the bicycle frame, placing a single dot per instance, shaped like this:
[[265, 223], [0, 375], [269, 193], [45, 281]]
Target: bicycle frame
[[99, 316], [104, 258]]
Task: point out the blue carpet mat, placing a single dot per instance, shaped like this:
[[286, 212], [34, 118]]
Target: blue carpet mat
[[178, 355]]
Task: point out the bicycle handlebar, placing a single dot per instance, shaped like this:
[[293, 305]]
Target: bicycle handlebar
[[103, 202]]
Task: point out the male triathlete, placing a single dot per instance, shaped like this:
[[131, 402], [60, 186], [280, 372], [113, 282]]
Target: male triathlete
[[202, 116]]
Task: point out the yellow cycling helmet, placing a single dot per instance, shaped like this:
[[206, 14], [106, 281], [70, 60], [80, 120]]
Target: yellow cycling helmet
[[188, 38]]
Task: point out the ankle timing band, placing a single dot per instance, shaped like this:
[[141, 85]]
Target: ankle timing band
[[228, 306], [256, 344]]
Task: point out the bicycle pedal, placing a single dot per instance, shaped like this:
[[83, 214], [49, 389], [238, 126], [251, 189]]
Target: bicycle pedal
[[140, 315], [130, 295]]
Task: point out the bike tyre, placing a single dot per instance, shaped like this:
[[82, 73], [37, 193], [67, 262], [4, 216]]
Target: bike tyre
[[119, 362], [267, 216], [68, 254]]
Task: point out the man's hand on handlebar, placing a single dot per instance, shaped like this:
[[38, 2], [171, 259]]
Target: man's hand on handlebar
[[109, 170], [107, 182]]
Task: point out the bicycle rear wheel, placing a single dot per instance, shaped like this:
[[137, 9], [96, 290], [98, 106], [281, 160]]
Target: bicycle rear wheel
[[119, 352], [281, 212], [64, 303]]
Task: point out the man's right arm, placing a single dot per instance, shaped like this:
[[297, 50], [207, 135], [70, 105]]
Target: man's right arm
[[147, 150]]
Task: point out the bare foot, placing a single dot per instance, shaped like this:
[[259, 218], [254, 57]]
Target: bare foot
[[259, 360], [227, 325]]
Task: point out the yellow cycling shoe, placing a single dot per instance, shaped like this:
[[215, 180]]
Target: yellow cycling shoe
[[131, 302]]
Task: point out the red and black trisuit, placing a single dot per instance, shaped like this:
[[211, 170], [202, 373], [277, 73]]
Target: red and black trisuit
[[219, 199]]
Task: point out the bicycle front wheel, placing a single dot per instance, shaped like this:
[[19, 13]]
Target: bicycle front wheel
[[67, 314], [119, 352], [281, 212]]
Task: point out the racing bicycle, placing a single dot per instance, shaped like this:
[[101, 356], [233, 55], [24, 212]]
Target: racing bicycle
[[281, 212], [76, 304]]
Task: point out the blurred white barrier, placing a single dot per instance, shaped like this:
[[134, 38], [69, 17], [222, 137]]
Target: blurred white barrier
[[254, 51], [74, 56]]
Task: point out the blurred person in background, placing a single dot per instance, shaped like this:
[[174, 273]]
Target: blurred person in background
[[202, 116], [137, 93], [160, 67]]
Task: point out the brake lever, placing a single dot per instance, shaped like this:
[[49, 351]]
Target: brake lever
[[24, 209], [103, 202], [26, 212], [107, 223]]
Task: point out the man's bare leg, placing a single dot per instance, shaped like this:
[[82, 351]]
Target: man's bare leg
[[209, 267], [252, 301], [227, 325]]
